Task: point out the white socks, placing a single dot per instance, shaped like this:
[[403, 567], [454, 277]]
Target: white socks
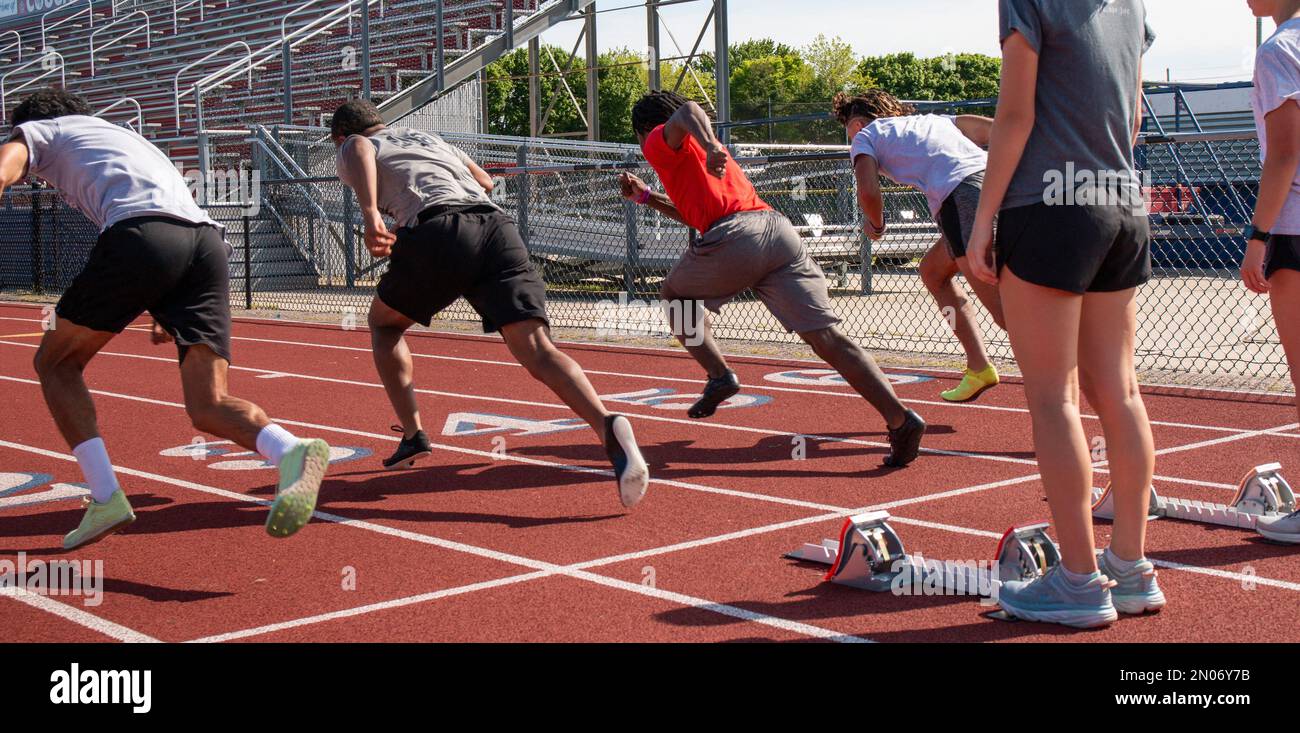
[[273, 442], [1120, 564], [92, 456]]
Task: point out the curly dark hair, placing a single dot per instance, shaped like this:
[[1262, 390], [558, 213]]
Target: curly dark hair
[[354, 117], [49, 103], [871, 104], [654, 109]]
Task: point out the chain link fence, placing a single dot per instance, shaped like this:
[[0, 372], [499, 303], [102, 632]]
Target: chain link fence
[[299, 248]]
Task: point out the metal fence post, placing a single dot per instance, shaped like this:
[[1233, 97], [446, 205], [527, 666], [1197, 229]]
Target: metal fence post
[[866, 261], [525, 192], [38, 267], [248, 265], [632, 261], [365, 49], [349, 241], [286, 61]]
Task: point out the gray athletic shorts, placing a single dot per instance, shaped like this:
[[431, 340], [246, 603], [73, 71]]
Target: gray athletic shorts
[[759, 250], [957, 217]]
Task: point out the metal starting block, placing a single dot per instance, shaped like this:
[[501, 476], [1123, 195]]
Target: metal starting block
[[870, 555], [1262, 493]]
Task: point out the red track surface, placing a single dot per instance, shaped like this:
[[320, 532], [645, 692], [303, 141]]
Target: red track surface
[[472, 546]]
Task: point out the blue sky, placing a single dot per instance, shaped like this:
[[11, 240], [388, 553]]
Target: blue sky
[[1199, 40]]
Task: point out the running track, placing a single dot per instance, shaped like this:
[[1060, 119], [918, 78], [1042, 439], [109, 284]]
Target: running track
[[518, 535]]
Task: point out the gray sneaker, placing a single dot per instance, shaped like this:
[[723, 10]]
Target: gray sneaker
[[1135, 592], [1053, 599], [1282, 528]]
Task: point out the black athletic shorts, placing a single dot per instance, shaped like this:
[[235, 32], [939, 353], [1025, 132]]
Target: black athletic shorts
[[1283, 254], [471, 251], [1076, 248], [175, 270]]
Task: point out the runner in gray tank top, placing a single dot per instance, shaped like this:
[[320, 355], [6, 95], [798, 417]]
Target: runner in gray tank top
[[452, 241]]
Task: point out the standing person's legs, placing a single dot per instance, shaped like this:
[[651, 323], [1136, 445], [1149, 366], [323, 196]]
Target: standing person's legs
[[1043, 324], [1109, 380], [1284, 297]]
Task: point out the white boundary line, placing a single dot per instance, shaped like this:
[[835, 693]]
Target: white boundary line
[[544, 568], [657, 350], [75, 615], [626, 375], [1099, 467], [576, 571]]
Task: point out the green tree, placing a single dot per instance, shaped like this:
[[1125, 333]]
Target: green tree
[[768, 86], [951, 77]]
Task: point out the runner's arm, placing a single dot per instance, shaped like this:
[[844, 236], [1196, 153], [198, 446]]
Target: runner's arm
[[691, 119], [13, 163], [356, 167], [634, 189], [867, 173], [975, 127]]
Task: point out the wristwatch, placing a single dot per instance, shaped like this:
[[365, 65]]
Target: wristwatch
[[1253, 234]]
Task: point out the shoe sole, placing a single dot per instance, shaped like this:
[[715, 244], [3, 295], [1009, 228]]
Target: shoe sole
[[973, 397], [293, 507], [1072, 619], [634, 482], [1138, 605], [1284, 538], [408, 462], [96, 538], [710, 407]]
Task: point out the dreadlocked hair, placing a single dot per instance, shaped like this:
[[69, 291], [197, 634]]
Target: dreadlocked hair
[[654, 109], [871, 104]]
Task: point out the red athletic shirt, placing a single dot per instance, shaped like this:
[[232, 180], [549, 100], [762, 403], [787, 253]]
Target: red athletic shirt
[[701, 198]]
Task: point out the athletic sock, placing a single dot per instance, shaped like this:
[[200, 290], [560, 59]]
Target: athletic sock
[[1078, 580], [1120, 564], [273, 442], [92, 456]]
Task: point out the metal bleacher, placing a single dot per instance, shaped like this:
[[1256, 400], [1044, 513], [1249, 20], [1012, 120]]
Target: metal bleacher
[[164, 64], [203, 79]]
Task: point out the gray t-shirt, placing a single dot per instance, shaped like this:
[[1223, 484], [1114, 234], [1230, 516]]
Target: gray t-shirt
[[106, 172], [1089, 62], [417, 170]]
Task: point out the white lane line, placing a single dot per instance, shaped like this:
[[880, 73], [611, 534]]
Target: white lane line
[[687, 380], [836, 512], [539, 565], [75, 615], [1099, 467], [370, 608], [757, 386]]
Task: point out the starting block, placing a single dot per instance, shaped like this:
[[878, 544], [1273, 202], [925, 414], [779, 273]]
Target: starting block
[[870, 555], [1262, 492]]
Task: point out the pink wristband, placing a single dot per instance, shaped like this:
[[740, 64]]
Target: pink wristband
[[644, 198]]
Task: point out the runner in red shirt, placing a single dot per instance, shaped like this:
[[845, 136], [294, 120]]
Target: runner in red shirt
[[744, 244]]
